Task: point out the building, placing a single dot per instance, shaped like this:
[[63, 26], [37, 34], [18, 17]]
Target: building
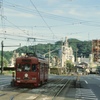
[[15, 55], [66, 53], [96, 50]]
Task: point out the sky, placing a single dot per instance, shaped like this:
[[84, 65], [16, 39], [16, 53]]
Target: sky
[[30, 22]]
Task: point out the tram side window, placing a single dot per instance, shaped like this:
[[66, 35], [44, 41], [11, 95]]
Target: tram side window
[[19, 67], [34, 67]]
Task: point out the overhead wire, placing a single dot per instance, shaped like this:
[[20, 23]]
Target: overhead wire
[[25, 36], [17, 26], [57, 17], [18, 35], [13, 24], [24, 39], [42, 17], [31, 10]]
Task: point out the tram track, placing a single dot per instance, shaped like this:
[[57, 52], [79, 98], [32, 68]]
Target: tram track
[[11, 93], [62, 88], [46, 88], [53, 92], [19, 93], [48, 91]]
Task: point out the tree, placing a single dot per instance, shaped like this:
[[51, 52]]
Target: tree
[[69, 65], [84, 48], [5, 62]]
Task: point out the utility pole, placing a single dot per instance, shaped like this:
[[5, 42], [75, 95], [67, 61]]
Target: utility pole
[[2, 56], [2, 46], [49, 59], [31, 40], [49, 55], [76, 56]]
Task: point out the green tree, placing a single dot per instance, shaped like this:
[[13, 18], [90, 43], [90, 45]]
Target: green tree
[[8, 55], [84, 48], [5, 62], [69, 65]]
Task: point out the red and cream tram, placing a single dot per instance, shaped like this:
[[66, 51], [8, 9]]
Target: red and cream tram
[[30, 71]]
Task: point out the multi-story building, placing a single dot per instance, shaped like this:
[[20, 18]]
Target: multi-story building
[[15, 55], [96, 50], [66, 53]]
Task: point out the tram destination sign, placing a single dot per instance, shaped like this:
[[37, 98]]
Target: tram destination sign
[[26, 60]]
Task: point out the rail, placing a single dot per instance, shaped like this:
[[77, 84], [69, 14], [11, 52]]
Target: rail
[[62, 88]]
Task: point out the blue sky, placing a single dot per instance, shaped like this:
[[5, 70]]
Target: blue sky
[[48, 20]]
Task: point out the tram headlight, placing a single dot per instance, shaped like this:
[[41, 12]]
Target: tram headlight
[[26, 75]]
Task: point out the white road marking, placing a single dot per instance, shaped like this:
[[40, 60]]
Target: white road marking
[[85, 94], [86, 82]]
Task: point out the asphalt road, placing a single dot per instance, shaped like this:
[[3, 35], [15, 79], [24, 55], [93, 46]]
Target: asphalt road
[[5, 80], [91, 86]]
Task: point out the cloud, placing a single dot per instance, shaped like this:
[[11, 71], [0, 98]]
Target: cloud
[[58, 12], [52, 1], [24, 15], [15, 13], [76, 13], [97, 13]]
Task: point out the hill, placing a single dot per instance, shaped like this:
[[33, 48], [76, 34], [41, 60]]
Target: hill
[[83, 48]]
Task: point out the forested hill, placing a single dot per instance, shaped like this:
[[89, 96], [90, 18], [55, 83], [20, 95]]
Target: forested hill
[[82, 47]]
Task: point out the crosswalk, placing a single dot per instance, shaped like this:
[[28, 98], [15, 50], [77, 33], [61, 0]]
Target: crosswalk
[[85, 94]]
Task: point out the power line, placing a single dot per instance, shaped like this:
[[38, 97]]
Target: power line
[[41, 17], [55, 17], [12, 36], [13, 24], [2, 14]]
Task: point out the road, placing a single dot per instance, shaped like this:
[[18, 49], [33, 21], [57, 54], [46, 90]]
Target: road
[[47, 91], [91, 87], [4, 81]]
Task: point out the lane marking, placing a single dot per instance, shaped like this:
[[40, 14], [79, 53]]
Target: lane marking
[[85, 94], [86, 82]]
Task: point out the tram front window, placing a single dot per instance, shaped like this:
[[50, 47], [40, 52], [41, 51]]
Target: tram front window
[[26, 67], [19, 68]]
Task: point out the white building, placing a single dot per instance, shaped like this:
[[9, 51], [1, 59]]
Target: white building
[[66, 53], [15, 55]]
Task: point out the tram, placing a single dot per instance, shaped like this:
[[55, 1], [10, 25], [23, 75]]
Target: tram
[[30, 71]]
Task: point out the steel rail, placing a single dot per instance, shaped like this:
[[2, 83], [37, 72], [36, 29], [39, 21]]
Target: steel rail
[[14, 96], [59, 91], [56, 87]]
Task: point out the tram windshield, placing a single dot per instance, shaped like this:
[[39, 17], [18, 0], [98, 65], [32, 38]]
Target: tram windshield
[[23, 67], [26, 67]]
